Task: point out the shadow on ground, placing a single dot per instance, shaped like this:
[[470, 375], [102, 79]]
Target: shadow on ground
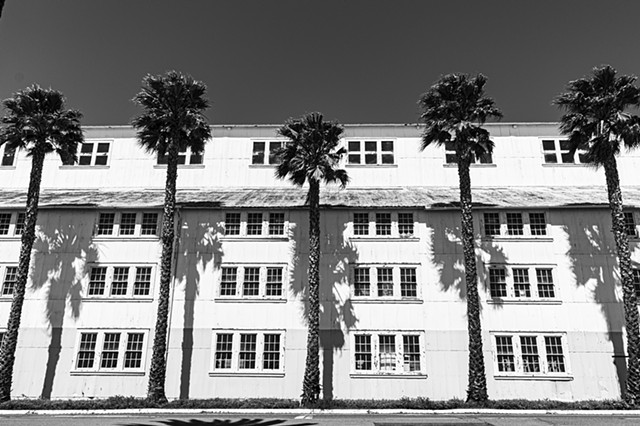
[[216, 422]]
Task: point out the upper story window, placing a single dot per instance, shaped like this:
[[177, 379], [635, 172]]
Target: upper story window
[[252, 281], [451, 157], [127, 224], [383, 282], [11, 223], [530, 354], [185, 158], [7, 156], [9, 276], [388, 352], [265, 152], [371, 152], [110, 351], [630, 224], [521, 282], [514, 224], [255, 224], [556, 151], [248, 351], [119, 281], [92, 153], [383, 224]]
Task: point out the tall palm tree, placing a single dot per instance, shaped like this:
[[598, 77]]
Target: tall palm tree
[[37, 123], [173, 120], [312, 156], [454, 110], [598, 121]]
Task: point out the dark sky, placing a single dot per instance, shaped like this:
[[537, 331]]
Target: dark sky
[[357, 61]]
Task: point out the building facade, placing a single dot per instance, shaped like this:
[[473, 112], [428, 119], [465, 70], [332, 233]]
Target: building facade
[[393, 318]]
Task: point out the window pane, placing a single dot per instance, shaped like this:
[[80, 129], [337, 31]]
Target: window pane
[[491, 224], [630, 224], [497, 282], [555, 357], [5, 221], [120, 280], [97, 281], [133, 354], [254, 224], [10, 279], [195, 158], [247, 359], [385, 282], [545, 283], [276, 223], [19, 224], [86, 351], [251, 283], [549, 145], [354, 146], [274, 282], [274, 148], [363, 352], [565, 145], [387, 347], [258, 153], [383, 223], [521, 285], [405, 224], [110, 347], [550, 158], [271, 354], [411, 356], [371, 159], [370, 146], [228, 283], [514, 224], [361, 223], [537, 224], [530, 359], [224, 346], [149, 224], [408, 282], [567, 158], [232, 224], [105, 223], [362, 283], [8, 157], [142, 284], [127, 223], [354, 158], [506, 358], [86, 148]]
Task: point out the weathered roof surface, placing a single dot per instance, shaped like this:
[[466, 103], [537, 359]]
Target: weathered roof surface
[[402, 197]]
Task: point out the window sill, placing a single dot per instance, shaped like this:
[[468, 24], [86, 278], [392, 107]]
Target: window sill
[[455, 165], [387, 376], [7, 167], [10, 237], [498, 301], [555, 378], [244, 374], [78, 167], [6, 298], [383, 238], [564, 165], [113, 299], [389, 301], [263, 166], [107, 373], [103, 238], [255, 238], [180, 166], [248, 300], [511, 238], [361, 166]]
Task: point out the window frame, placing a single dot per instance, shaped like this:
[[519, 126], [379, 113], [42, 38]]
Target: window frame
[[558, 152], [534, 284], [14, 227], [265, 228], [132, 276], [96, 369], [450, 158], [629, 213], [117, 222], [3, 276], [267, 155], [373, 226], [263, 280], [542, 353], [3, 155], [526, 225], [94, 155], [234, 369], [374, 288], [188, 154], [380, 154], [375, 370]]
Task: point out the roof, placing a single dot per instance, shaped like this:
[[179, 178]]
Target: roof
[[293, 197]]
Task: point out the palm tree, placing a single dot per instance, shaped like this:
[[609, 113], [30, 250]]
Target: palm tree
[[312, 156], [173, 120], [598, 121], [37, 123], [454, 110]]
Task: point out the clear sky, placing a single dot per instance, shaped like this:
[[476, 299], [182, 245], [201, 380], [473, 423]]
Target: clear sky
[[357, 61]]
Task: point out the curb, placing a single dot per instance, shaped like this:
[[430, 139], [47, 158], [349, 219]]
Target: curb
[[307, 412]]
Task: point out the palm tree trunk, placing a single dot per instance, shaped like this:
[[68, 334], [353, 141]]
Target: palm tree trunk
[[10, 341], [311, 383], [158, 370], [630, 302], [477, 390]]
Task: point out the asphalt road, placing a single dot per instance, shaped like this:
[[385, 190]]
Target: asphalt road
[[319, 419]]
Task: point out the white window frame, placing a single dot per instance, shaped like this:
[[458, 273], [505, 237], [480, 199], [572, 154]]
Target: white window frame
[[235, 356], [122, 348], [397, 284], [558, 152], [533, 283], [399, 353], [3, 150], [93, 156], [264, 230], [14, 224], [160, 159], [262, 286], [379, 153], [542, 356], [372, 233], [450, 153], [266, 153], [137, 233], [526, 224], [634, 216], [3, 275], [131, 279]]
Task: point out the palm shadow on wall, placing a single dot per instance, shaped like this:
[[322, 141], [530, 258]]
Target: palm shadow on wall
[[199, 246], [337, 314], [61, 256], [591, 248]]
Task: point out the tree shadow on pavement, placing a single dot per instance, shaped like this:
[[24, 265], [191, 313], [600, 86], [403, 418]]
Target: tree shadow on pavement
[[216, 422]]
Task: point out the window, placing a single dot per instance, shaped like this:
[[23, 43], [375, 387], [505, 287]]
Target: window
[[185, 158], [630, 224], [119, 281], [515, 282], [248, 351], [556, 151], [452, 158], [376, 152], [384, 225], [252, 281], [530, 354], [388, 352], [260, 156], [110, 351], [8, 158], [9, 279], [405, 224], [94, 153], [361, 224], [514, 224], [11, 223], [385, 282], [127, 224], [255, 224]]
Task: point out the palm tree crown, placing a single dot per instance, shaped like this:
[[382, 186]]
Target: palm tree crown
[[597, 117], [174, 107], [312, 152], [37, 121], [453, 110]]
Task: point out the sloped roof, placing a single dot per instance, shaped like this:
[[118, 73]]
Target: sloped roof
[[401, 197]]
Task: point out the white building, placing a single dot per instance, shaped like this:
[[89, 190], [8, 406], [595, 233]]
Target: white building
[[392, 288]]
